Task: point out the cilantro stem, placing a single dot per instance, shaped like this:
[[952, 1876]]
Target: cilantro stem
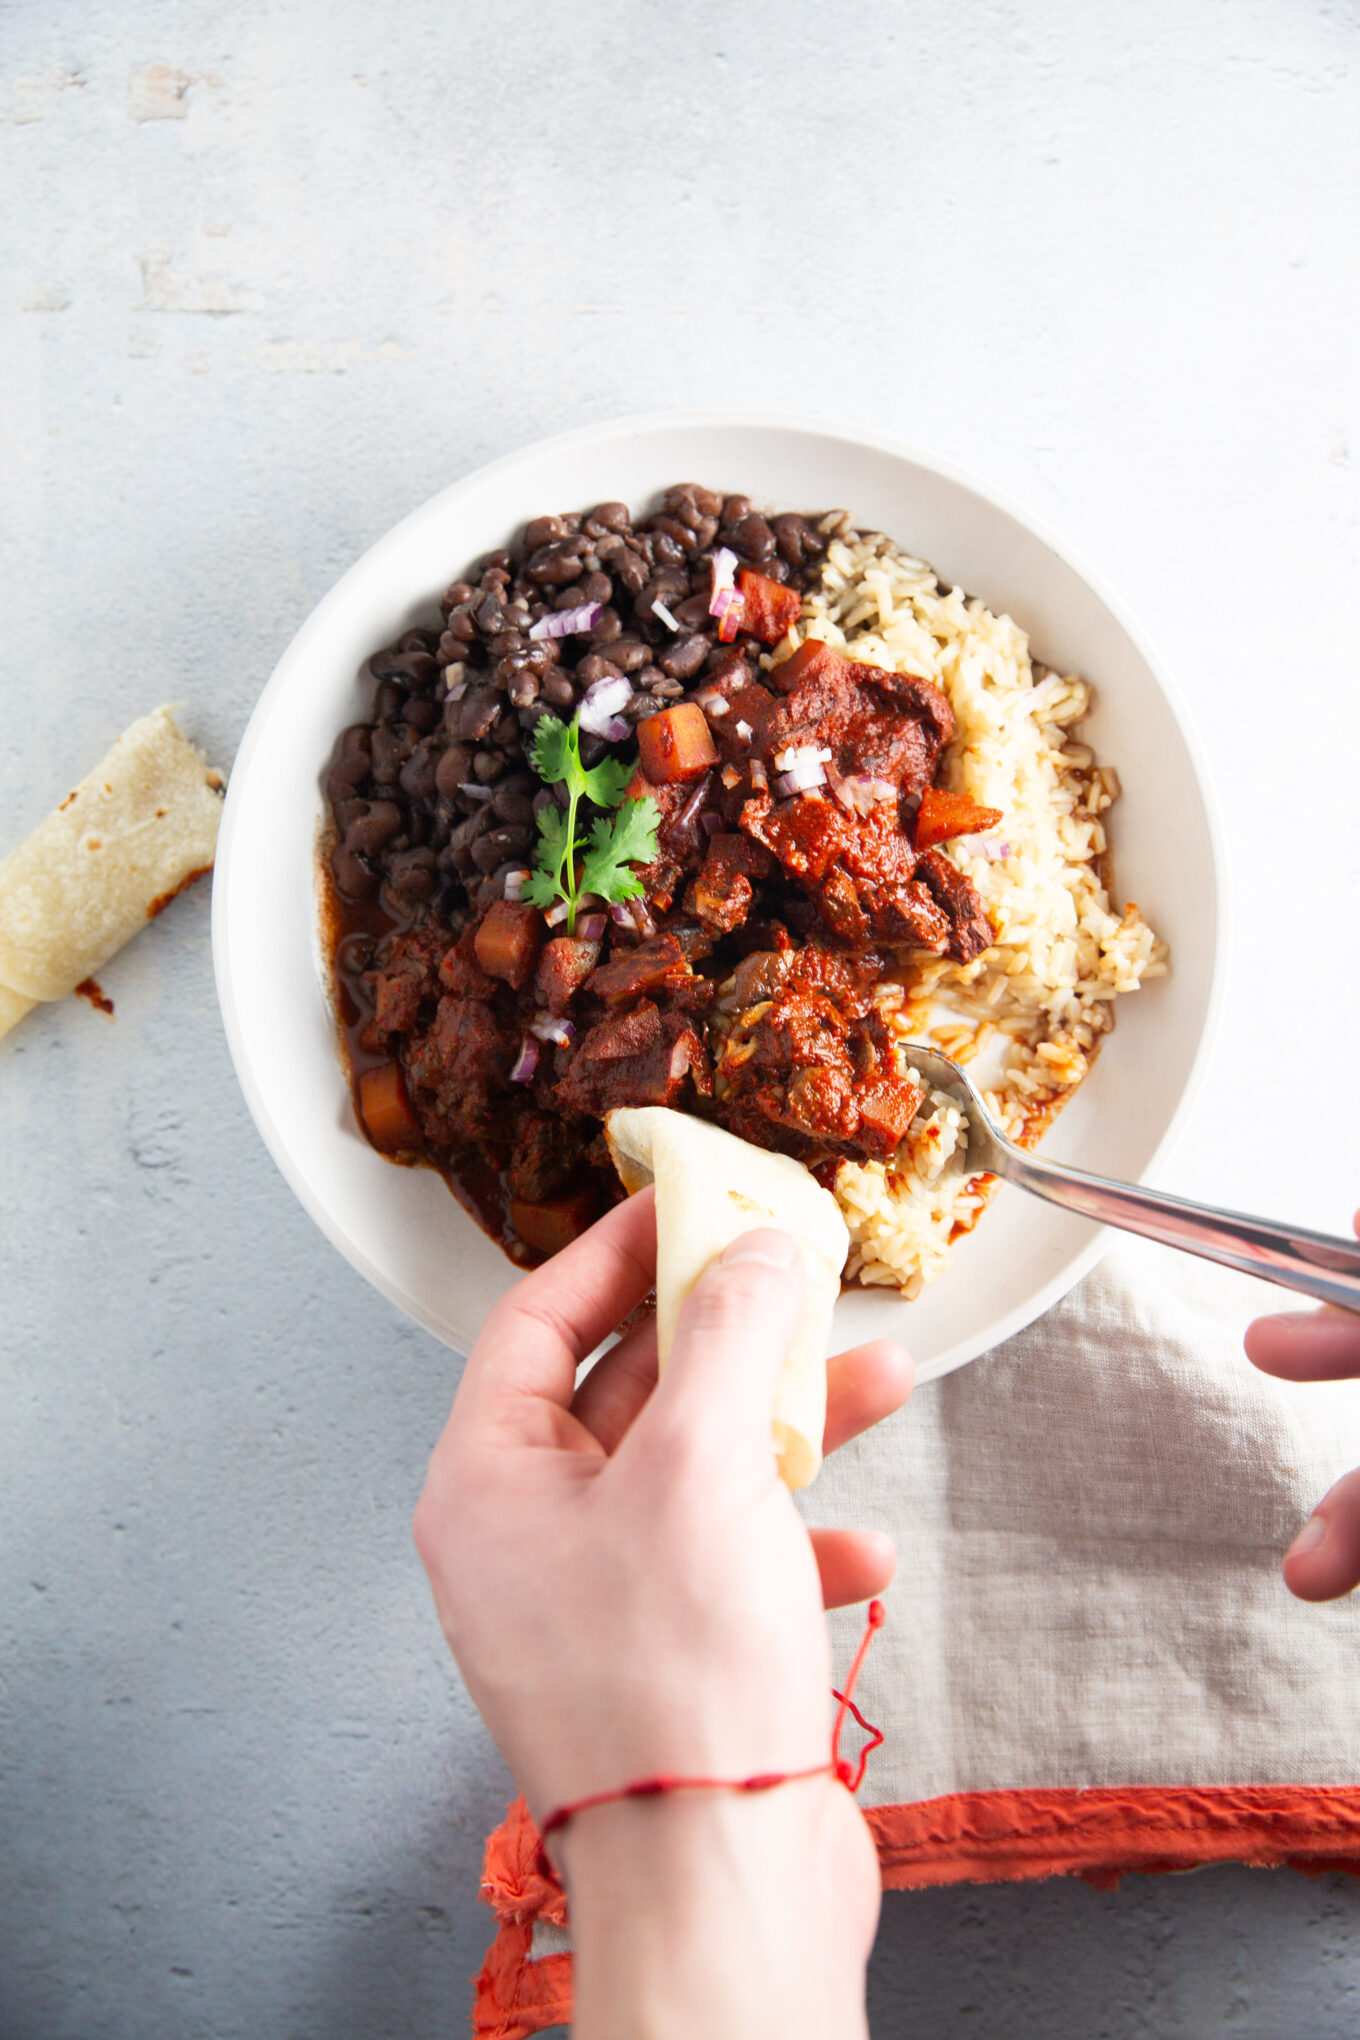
[[567, 876]]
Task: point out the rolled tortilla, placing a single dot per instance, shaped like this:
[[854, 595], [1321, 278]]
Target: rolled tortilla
[[710, 1188], [136, 831]]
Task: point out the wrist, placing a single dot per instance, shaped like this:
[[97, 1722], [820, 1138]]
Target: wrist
[[731, 1914]]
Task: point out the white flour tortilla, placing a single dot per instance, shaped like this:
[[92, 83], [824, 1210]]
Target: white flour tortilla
[[136, 829], [711, 1188]]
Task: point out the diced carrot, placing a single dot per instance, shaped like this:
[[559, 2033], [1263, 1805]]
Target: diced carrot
[[677, 744], [943, 815], [554, 1224], [768, 607], [812, 661], [386, 1111], [508, 941]]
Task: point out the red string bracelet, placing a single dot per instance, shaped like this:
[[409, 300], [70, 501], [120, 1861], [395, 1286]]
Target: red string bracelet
[[851, 1776]]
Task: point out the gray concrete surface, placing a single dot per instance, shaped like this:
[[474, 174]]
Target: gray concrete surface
[[272, 275]]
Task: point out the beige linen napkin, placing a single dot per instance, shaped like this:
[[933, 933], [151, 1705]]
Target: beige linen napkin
[[1090, 1662]]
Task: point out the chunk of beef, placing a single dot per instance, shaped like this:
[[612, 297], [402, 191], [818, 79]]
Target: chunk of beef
[[651, 967], [877, 724], [858, 869], [722, 894], [970, 932], [544, 1156], [407, 976], [563, 967], [459, 970], [460, 1068], [811, 1058], [641, 1057], [680, 841]]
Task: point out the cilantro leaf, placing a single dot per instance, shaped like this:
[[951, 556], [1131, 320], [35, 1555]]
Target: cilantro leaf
[[630, 838], [555, 747], [614, 843], [604, 783]]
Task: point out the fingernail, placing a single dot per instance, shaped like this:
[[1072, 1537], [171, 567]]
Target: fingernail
[[770, 1249], [1313, 1533]]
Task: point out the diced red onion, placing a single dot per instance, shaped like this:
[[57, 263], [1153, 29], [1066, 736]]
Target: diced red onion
[[547, 1028], [515, 882], [557, 913], [709, 822], [991, 848], [679, 1061], [724, 575], [857, 793], [730, 777], [691, 807], [589, 927], [563, 622], [714, 705], [794, 756], [633, 915], [600, 705], [759, 778], [473, 790], [744, 731], [803, 771], [526, 1062], [663, 615]]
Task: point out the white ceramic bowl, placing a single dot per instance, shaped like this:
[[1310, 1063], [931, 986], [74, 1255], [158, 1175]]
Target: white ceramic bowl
[[401, 1227]]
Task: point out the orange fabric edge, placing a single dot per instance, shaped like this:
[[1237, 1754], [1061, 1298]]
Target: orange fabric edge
[[1105, 1833], [1099, 1835]]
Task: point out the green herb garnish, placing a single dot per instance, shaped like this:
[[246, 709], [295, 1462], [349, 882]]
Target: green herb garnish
[[615, 842]]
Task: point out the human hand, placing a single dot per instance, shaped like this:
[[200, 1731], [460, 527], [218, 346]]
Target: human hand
[[1323, 1562], [629, 1589]]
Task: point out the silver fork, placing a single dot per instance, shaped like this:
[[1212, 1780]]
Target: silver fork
[[1320, 1266]]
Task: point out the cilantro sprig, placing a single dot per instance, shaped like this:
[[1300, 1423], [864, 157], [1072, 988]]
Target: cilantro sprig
[[615, 841]]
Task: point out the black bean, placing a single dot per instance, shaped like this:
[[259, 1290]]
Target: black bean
[[628, 653], [668, 551], [544, 798], [693, 611], [461, 627], [380, 821], [557, 689], [390, 752], [593, 748], [593, 668], [346, 774], [734, 509], [648, 678], [752, 537], [486, 853], [705, 532], [673, 528], [553, 566], [505, 735], [668, 690], [523, 689], [456, 593], [411, 874], [489, 613], [684, 658], [478, 712], [388, 700], [418, 773], [540, 531], [505, 641], [512, 840], [352, 875], [356, 738], [347, 812], [422, 713], [486, 766], [510, 805], [631, 570], [613, 516], [597, 587], [496, 562], [606, 626]]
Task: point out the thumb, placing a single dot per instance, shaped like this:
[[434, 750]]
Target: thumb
[[735, 1327]]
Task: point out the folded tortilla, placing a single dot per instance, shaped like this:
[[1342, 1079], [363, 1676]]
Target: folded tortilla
[[136, 831], [710, 1188]]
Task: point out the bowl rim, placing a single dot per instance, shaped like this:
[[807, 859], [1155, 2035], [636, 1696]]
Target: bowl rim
[[637, 424]]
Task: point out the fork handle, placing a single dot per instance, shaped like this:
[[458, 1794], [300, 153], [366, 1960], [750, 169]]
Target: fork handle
[[1315, 1263]]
